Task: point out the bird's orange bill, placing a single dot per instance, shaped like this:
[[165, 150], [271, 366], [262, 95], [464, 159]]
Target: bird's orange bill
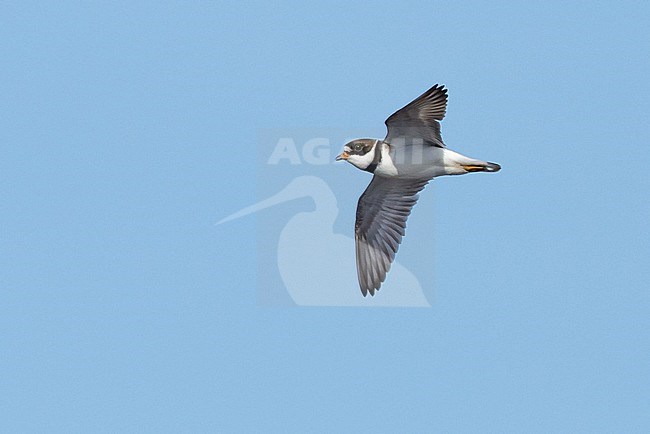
[[342, 156]]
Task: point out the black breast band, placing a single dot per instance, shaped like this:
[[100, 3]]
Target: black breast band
[[376, 158]]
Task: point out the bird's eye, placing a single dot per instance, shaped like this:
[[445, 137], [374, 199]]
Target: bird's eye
[[357, 147]]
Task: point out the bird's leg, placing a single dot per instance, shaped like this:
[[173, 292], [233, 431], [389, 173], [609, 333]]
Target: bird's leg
[[486, 167]]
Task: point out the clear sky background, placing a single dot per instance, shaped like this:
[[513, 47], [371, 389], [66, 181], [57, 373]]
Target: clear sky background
[[128, 128]]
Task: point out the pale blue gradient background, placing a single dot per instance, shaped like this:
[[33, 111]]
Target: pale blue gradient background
[[128, 130]]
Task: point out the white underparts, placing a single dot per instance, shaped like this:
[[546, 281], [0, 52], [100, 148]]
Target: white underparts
[[414, 161], [386, 167]]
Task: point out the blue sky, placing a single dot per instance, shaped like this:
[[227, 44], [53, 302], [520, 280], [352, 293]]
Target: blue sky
[[128, 130]]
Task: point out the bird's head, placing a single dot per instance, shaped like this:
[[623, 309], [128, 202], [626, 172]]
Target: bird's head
[[358, 152]]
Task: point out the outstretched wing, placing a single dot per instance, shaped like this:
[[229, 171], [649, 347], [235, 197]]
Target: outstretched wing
[[418, 120], [381, 219]]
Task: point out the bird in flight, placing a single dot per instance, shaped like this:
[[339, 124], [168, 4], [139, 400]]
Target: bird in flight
[[411, 155]]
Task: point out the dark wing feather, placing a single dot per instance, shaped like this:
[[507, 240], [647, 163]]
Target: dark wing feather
[[418, 120], [381, 220]]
